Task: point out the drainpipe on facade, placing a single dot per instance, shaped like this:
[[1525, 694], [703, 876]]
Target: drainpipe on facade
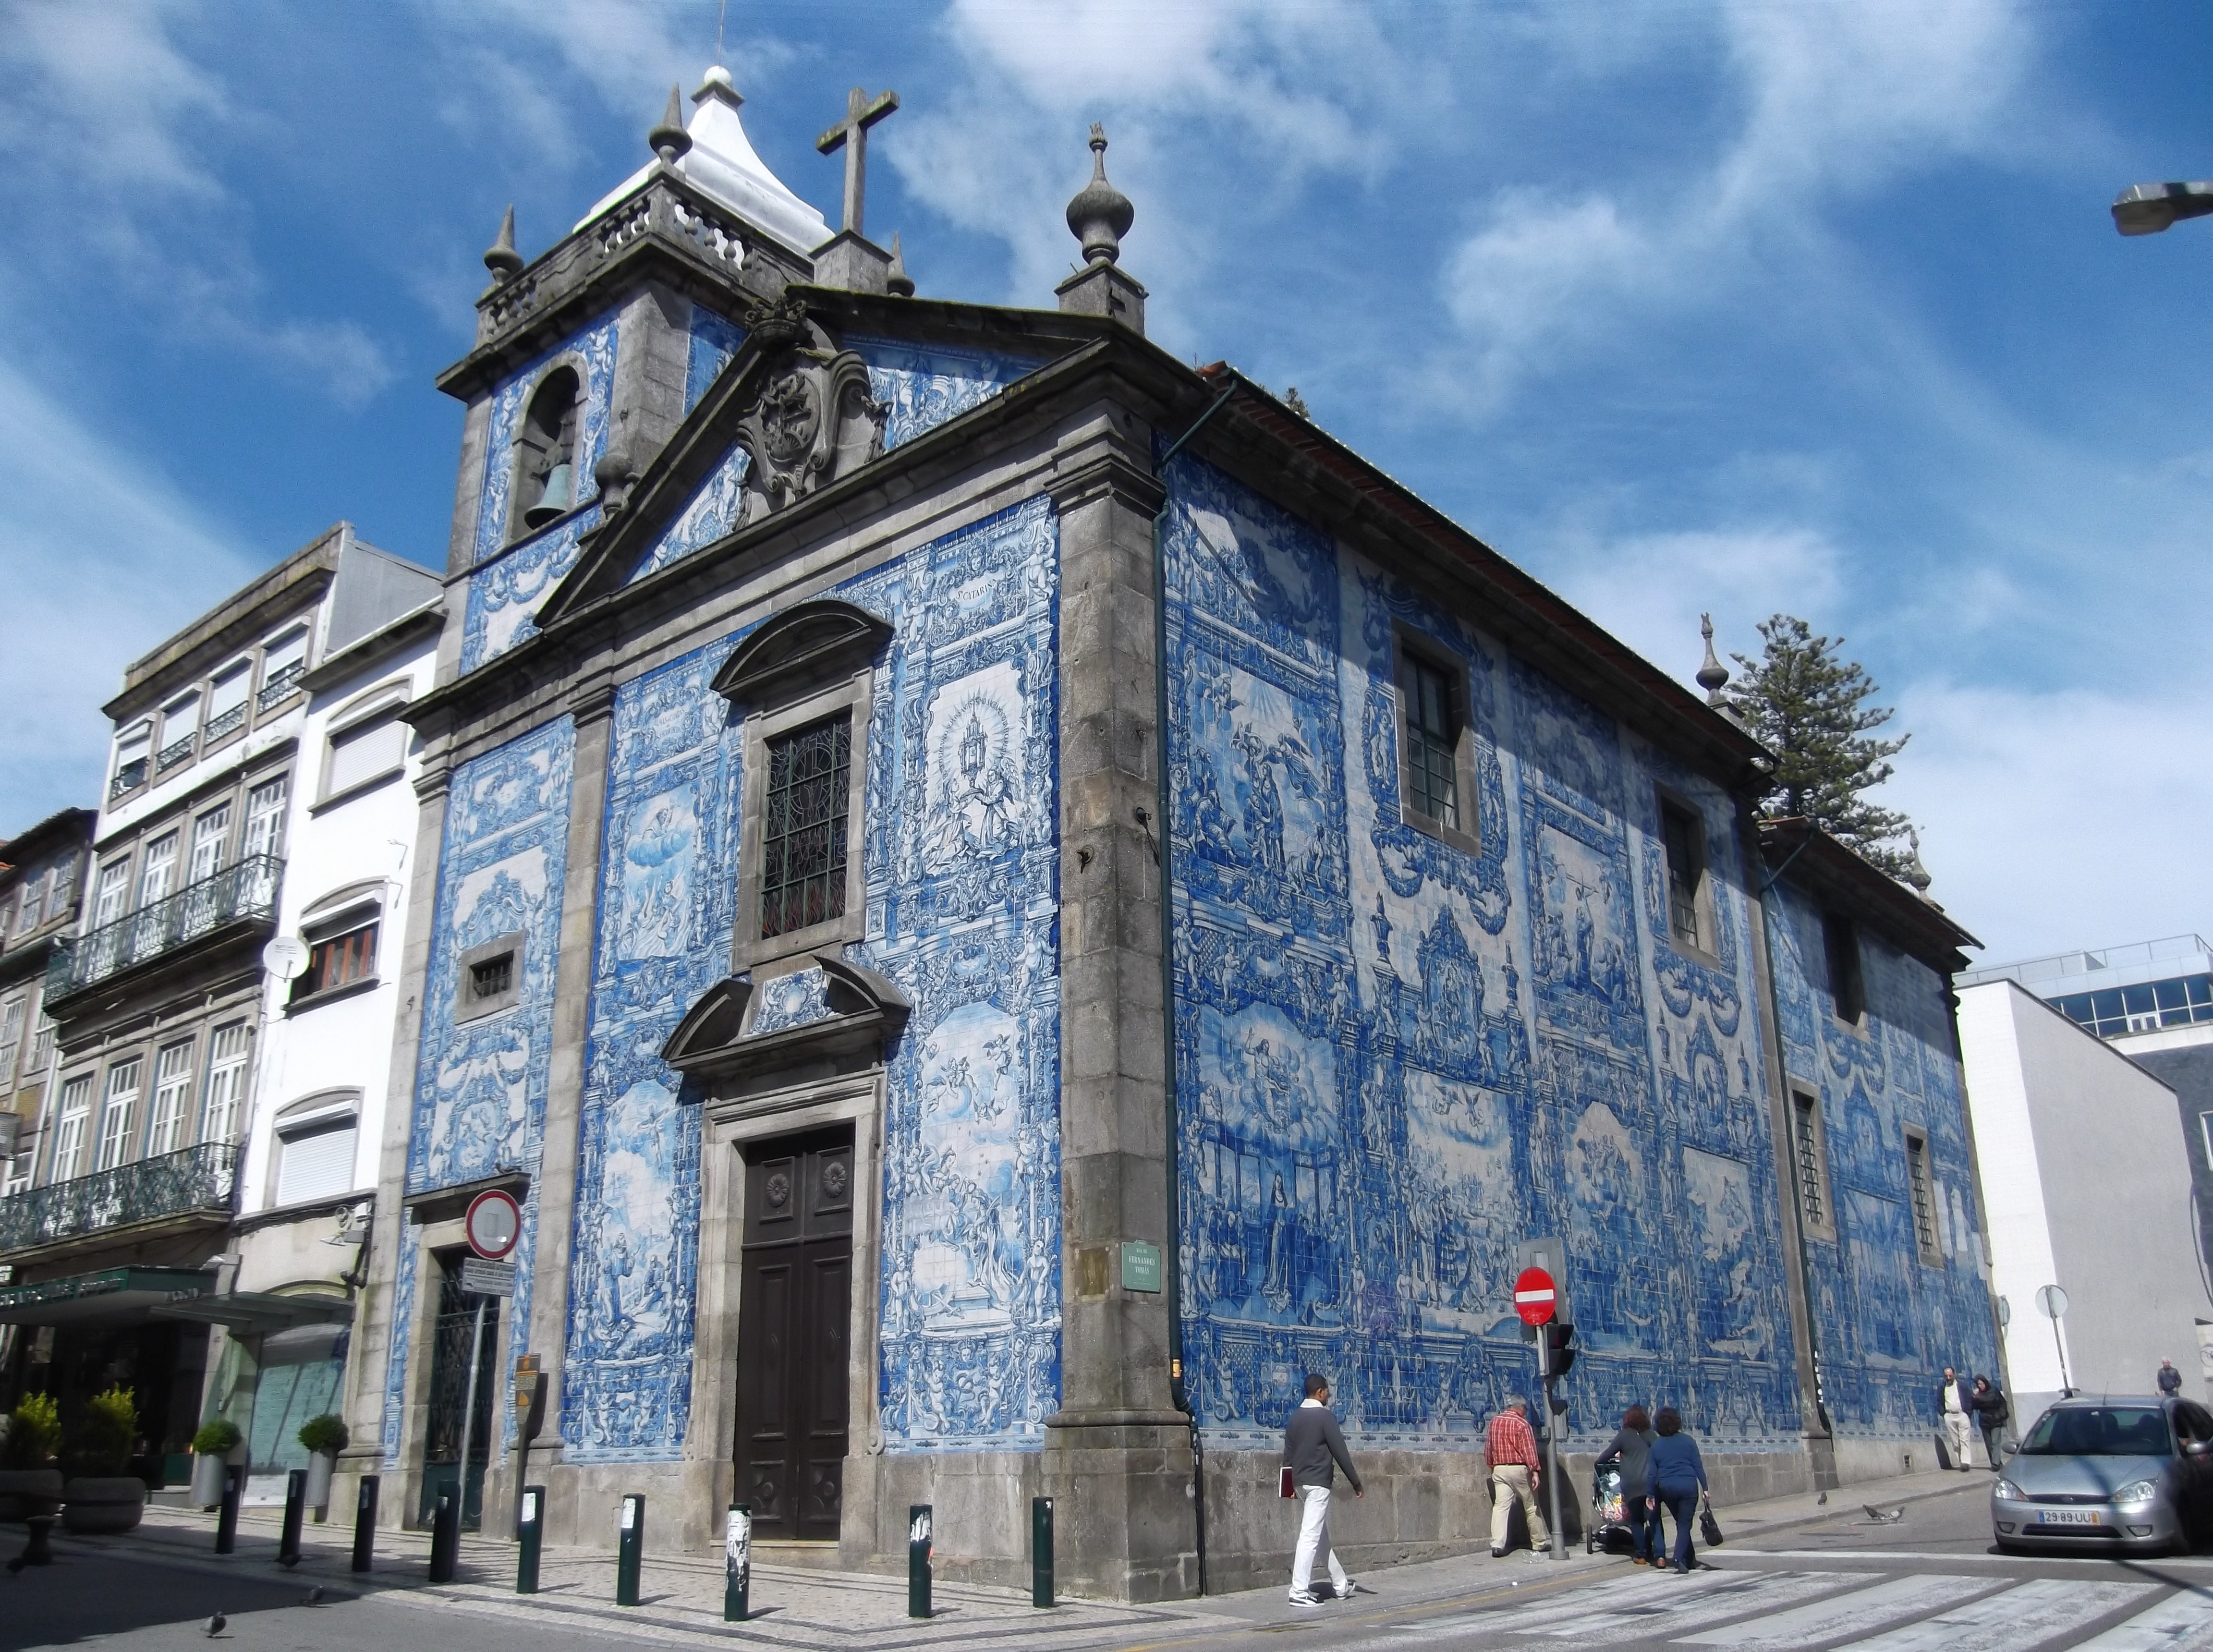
[[1172, 1268], [1763, 965]]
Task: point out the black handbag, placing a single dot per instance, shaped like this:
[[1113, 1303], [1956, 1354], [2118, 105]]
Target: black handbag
[[1709, 1529]]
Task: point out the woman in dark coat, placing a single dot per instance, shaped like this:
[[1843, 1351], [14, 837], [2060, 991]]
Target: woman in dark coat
[[1632, 1449], [1678, 1477]]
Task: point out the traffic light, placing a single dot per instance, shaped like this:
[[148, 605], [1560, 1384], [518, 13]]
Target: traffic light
[[1559, 1348]]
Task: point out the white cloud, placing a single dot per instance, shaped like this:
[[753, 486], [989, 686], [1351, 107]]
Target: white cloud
[[2061, 819], [1838, 99], [1649, 590], [112, 131], [99, 556]]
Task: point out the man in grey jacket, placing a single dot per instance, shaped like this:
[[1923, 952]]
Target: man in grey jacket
[[1313, 1449]]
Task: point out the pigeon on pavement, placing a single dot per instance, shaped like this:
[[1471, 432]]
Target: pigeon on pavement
[[314, 1596], [1884, 1516], [216, 1625]]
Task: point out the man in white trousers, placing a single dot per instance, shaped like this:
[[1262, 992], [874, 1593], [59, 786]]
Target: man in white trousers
[[1313, 1449]]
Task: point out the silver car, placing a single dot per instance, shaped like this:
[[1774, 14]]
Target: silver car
[[2115, 1470]]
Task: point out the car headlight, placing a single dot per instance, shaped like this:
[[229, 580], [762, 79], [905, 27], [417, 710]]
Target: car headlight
[[2007, 1490], [2137, 1491]]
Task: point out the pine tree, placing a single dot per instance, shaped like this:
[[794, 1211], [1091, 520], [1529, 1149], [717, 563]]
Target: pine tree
[[1811, 709]]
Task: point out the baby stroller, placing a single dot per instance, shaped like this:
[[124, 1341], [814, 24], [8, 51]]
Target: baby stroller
[[1609, 1508]]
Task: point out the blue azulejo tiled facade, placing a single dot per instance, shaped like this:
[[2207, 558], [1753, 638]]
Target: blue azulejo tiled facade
[[480, 1082], [1400, 1056], [1891, 1309]]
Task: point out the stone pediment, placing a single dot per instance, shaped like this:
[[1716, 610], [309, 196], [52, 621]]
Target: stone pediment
[[790, 414], [827, 1011], [811, 642]]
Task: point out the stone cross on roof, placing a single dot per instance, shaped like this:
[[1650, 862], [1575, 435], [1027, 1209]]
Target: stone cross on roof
[[851, 134]]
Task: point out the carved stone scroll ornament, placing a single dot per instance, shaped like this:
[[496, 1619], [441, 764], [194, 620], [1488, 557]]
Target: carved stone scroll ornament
[[813, 418]]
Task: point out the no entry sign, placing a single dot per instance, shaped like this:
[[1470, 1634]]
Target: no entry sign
[[1534, 1296], [495, 1222]]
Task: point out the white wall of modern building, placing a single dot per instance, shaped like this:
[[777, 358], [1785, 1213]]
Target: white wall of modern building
[[2087, 1185]]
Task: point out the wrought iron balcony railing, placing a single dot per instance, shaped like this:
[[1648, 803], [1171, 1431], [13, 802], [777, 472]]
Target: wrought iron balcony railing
[[225, 722], [246, 891], [202, 1177], [282, 684], [130, 775]]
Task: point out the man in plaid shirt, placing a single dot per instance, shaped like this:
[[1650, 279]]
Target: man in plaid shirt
[[1510, 1450]]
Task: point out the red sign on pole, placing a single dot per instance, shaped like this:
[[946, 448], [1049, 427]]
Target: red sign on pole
[[1534, 1296], [495, 1222]]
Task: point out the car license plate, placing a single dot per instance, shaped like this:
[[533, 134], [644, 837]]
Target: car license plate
[[2068, 1517]]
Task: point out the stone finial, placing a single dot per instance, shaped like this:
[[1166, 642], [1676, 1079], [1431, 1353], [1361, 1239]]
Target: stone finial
[[1713, 675], [669, 140], [501, 258], [1916, 872], [897, 282], [1100, 215]]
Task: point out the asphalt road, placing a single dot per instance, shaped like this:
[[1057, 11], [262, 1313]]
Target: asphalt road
[[1929, 1583]]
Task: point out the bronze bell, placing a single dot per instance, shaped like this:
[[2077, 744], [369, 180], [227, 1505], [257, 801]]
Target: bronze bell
[[555, 501]]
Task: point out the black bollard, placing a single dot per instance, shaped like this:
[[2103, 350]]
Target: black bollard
[[39, 1551], [919, 1520], [530, 1534], [738, 1564], [296, 1510], [632, 1552], [446, 1537], [1040, 1552], [225, 1521], [364, 1523]]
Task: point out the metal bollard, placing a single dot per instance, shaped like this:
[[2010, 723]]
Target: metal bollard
[[1040, 1552], [226, 1522], [530, 1534], [446, 1536], [296, 1509], [632, 1552], [738, 1564], [919, 1520], [364, 1522]]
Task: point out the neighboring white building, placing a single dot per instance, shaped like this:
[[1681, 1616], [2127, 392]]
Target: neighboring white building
[[2088, 1185], [307, 1180]]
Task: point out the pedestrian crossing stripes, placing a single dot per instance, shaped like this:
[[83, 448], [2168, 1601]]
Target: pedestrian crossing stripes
[[1845, 1612], [1855, 1614]]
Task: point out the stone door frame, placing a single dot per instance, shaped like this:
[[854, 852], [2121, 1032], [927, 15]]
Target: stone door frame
[[731, 1124]]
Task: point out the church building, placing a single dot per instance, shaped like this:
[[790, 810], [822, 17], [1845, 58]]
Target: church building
[[1001, 897]]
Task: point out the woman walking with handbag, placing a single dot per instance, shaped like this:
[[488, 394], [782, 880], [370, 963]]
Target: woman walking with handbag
[[1679, 1479], [1631, 1449]]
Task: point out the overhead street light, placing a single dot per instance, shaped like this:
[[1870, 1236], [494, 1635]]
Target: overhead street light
[[2147, 209]]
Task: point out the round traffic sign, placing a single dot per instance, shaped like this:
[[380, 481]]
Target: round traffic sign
[[495, 1222], [2051, 1301], [1534, 1296]]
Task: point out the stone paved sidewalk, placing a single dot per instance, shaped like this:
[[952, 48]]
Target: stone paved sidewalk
[[798, 1608]]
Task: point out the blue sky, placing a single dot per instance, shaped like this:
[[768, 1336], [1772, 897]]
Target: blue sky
[[1739, 307]]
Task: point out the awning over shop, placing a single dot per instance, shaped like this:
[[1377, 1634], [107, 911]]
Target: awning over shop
[[259, 1310], [111, 1296]]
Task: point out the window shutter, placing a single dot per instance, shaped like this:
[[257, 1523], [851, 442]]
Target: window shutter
[[316, 1164], [362, 754]]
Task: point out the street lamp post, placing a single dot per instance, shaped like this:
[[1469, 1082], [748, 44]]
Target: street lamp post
[[2148, 209]]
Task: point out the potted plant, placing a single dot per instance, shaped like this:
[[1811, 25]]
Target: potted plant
[[324, 1436], [103, 1498], [212, 1447], [30, 1483]]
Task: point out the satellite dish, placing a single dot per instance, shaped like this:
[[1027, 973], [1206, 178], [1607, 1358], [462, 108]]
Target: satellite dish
[[2005, 1313], [284, 957]]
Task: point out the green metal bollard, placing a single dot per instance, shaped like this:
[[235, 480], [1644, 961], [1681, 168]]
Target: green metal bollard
[[296, 1510], [364, 1522], [226, 1522], [530, 1534], [446, 1537], [632, 1552], [738, 1564], [918, 1560], [1040, 1552]]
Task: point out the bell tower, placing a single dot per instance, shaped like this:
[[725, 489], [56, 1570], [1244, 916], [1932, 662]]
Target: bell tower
[[588, 355]]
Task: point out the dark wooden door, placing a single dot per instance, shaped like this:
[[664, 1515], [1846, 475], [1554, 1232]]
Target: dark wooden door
[[456, 1322], [795, 1303]]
